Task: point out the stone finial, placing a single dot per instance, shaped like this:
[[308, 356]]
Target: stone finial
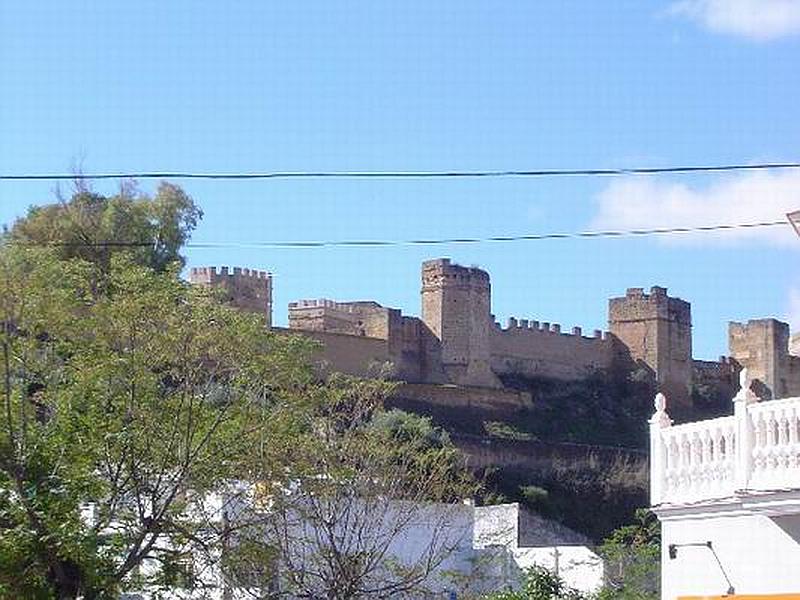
[[660, 402], [660, 418], [745, 394]]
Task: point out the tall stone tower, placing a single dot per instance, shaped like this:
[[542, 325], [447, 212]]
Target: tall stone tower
[[247, 289], [657, 331], [456, 308], [762, 347]]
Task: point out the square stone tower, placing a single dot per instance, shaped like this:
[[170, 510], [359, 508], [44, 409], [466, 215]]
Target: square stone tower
[[456, 308], [762, 347], [247, 289], [657, 331]]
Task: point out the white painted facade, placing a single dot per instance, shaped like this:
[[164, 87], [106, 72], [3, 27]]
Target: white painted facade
[[734, 482], [493, 546]]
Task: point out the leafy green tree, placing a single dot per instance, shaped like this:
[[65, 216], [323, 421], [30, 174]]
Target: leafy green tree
[[633, 554], [150, 230], [398, 425], [373, 477], [539, 583], [121, 413]]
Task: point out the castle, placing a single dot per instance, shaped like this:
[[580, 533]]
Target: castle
[[457, 340]]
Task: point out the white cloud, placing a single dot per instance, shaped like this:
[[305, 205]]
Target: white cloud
[[649, 203], [753, 19]]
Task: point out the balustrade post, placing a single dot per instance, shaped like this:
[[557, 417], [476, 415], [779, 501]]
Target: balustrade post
[[658, 452], [744, 432]]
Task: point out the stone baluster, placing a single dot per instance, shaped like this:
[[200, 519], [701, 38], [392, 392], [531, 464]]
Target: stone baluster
[[744, 432], [791, 432], [658, 459]]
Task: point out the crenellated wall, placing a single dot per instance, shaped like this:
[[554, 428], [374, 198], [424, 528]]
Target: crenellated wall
[[657, 331], [535, 349], [456, 308], [363, 318], [248, 289], [762, 347], [458, 342]]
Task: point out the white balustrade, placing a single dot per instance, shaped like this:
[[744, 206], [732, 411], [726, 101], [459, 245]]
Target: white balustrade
[[776, 449], [757, 448]]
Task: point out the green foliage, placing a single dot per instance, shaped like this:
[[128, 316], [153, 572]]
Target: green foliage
[[539, 584], [133, 404], [149, 230], [619, 486], [601, 409], [536, 498], [398, 425], [632, 554], [370, 476]]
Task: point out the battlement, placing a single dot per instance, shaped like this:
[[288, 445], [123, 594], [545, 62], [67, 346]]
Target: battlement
[[213, 274], [760, 325], [346, 307], [249, 289], [536, 327], [441, 271], [637, 305], [360, 318]]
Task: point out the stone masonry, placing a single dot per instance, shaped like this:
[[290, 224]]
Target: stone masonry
[[457, 341], [244, 288], [657, 331], [762, 346]]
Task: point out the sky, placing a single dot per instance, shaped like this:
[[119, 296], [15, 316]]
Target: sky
[[426, 86]]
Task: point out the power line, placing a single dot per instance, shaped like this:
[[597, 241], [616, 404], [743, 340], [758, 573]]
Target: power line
[[439, 241], [402, 174]]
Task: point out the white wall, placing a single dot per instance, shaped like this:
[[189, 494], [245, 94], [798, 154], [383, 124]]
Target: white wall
[[761, 554]]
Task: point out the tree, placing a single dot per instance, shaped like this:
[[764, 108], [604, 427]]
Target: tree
[[376, 510], [539, 583], [633, 559], [151, 231], [122, 413]]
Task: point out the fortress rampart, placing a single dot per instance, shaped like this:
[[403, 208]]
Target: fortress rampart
[[762, 346], [533, 349], [247, 289], [456, 309], [656, 329], [457, 341]]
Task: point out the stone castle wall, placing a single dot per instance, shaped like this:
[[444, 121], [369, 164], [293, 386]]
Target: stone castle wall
[[247, 289], [762, 347], [456, 309], [355, 355], [457, 340], [534, 349], [364, 318], [657, 331]]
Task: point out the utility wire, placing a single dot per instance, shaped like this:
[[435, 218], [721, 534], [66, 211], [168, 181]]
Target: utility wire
[[400, 174], [437, 241]]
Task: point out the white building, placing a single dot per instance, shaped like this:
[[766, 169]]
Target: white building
[[491, 547], [727, 492]]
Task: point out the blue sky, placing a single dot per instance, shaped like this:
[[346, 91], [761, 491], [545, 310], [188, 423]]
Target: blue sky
[[263, 86]]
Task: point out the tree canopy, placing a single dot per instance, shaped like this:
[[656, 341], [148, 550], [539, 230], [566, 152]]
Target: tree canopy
[[121, 414], [94, 227], [124, 413]]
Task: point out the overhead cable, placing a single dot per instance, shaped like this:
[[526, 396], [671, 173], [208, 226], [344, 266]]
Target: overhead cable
[[400, 174], [438, 241]]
